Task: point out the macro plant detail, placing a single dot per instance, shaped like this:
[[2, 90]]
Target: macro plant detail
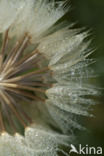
[[20, 79], [44, 73]]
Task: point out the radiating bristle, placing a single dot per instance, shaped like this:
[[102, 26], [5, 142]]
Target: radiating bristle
[[3, 48], [18, 76]]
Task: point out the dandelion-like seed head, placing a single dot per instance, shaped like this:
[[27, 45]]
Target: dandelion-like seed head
[[21, 81], [44, 73]]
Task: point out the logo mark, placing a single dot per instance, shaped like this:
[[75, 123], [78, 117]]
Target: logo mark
[[73, 149], [86, 150]]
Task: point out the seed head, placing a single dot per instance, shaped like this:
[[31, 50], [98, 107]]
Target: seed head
[[21, 80], [44, 78]]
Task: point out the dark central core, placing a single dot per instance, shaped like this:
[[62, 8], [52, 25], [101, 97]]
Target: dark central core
[[22, 80]]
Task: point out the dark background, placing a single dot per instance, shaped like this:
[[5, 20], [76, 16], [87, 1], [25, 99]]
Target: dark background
[[90, 14]]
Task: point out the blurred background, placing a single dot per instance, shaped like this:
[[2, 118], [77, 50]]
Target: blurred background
[[90, 14]]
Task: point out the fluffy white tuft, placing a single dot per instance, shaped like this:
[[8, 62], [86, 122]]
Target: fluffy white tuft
[[38, 141], [36, 18], [9, 10]]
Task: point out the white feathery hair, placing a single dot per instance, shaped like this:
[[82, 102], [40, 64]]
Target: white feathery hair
[[66, 51]]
